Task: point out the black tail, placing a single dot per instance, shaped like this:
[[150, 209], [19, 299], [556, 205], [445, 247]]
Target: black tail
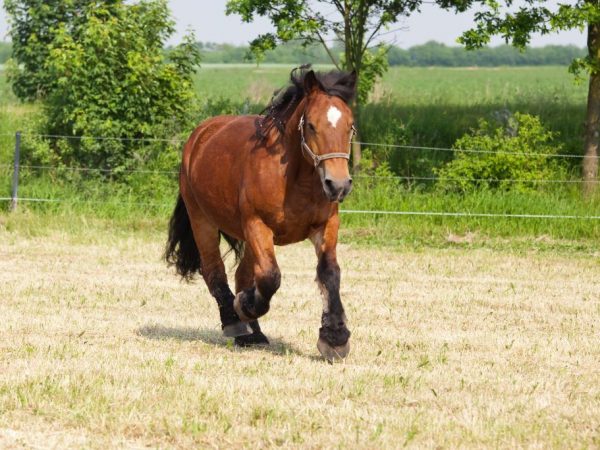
[[181, 250]]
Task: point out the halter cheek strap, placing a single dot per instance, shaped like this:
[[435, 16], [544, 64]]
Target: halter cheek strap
[[318, 159]]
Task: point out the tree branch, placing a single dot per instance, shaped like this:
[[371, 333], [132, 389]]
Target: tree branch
[[328, 51], [339, 6], [371, 37]]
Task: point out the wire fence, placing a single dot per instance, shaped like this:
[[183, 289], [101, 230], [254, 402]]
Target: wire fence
[[16, 166], [374, 177], [89, 169], [476, 151], [367, 144], [342, 211]]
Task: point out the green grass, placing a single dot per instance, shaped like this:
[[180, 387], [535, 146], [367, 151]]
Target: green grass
[[429, 106], [415, 86], [417, 106], [496, 232], [13, 117], [93, 203], [104, 347], [435, 105]]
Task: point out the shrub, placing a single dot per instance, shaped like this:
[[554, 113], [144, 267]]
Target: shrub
[[520, 151], [33, 27], [110, 77]]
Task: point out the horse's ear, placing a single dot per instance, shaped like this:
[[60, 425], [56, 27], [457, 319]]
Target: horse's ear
[[352, 80], [349, 81], [311, 82]]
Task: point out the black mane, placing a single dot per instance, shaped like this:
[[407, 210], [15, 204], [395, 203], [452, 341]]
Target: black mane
[[285, 100]]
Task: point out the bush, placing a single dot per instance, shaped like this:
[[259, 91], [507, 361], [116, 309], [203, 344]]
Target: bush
[[520, 151], [111, 77]]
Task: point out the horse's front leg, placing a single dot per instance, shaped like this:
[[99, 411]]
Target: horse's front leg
[[254, 302], [334, 335], [244, 279]]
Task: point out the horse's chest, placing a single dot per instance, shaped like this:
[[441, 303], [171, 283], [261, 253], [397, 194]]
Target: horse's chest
[[293, 211], [296, 223]]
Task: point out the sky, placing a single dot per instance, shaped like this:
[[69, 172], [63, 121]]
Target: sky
[[207, 18]]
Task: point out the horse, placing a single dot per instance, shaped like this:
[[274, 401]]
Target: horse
[[276, 178]]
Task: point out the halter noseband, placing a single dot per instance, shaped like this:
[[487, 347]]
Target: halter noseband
[[318, 159]]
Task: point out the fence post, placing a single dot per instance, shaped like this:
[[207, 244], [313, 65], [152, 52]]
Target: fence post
[[15, 181]]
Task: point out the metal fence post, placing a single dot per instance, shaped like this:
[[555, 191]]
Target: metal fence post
[[15, 181]]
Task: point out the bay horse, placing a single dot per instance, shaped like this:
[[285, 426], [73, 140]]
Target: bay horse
[[264, 180]]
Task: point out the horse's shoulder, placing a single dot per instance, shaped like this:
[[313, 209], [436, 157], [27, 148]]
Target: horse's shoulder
[[208, 128]]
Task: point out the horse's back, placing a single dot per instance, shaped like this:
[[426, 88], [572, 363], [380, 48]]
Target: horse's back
[[203, 133]]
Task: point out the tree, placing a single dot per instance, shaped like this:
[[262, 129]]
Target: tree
[[355, 23], [109, 76], [517, 27], [33, 28]]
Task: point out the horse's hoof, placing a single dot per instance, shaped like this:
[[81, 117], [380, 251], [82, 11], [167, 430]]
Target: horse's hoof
[[252, 340], [237, 329], [333, 353]]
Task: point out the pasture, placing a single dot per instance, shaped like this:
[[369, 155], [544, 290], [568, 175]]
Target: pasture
[[436, 105], [428, 106], [467, 332], [418, 106], [102, 346]]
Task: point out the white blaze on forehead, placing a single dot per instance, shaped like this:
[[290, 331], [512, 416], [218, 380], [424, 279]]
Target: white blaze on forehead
[[333, 115]]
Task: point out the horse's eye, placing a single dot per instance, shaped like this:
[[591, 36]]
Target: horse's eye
[[311, 127]]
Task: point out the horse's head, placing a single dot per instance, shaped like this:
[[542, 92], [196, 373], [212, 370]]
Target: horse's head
[[326, 129]]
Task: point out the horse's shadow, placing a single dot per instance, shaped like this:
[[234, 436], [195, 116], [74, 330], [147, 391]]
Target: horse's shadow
[[214, 337]]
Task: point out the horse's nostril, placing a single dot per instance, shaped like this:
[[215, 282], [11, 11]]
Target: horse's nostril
[[329, 183], [350, 181]]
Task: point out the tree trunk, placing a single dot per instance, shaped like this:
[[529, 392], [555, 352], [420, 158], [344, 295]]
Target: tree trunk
[[351, 64], [592, 122]]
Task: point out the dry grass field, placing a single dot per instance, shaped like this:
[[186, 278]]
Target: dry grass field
[[101, 346]]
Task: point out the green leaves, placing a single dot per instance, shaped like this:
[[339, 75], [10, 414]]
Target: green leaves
[[104, 72], [34, 25], [517, 26], [291, 20], [354, 23], [505, 158]]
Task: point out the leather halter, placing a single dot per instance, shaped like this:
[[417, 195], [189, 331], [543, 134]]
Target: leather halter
[[318, 159]]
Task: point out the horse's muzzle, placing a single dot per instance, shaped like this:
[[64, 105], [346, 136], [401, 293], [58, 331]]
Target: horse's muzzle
[[335, 189]]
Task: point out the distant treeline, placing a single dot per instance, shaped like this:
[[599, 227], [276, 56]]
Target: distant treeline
[[429, 54]]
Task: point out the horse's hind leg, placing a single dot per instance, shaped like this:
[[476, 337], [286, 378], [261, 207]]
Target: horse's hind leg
[[244, 279], [207, 240]]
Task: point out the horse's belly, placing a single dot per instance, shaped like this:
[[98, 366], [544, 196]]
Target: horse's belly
[[292, 234]]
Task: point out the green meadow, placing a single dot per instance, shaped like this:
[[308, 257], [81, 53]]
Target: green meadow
[[467, 332], [429, 107], [438, 105]]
